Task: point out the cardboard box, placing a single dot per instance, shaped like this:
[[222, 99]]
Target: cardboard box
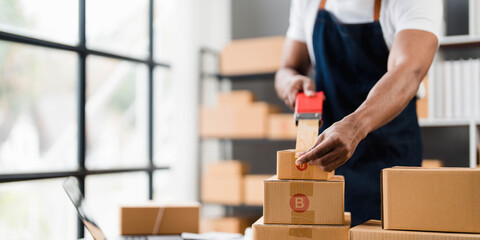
[[287, 169], [251, 56], [431, 199], [236, 98], [227, 224], [304, 201], [263, 231], [154, 218], [222, 189], [372, 230], [432, 163], [228, 168], [422, 104], [254, 189], [282, 126], [249, 121]]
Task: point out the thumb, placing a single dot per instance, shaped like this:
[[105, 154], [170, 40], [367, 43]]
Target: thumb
[[308, 87]]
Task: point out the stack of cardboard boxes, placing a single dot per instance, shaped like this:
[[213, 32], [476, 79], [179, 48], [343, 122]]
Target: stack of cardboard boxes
[[227, 182], [431, 203], [302, 202]]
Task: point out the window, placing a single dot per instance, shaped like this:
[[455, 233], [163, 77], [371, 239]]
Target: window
[[78, 82]]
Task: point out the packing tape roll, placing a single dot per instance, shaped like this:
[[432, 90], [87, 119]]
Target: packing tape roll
[[300, 232]]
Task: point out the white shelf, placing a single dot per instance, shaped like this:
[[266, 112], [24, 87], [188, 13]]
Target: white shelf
[[446, 122], [459, 40]]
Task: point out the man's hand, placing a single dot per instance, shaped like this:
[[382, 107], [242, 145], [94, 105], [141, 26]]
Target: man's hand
[[334, 146], [293, 85], [291, 77]]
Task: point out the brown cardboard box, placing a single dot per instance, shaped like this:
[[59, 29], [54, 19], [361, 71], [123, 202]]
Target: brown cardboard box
[[282, 126], [287, 169], [263, 231], [227, 224], [432, 163], [422, 104], [254, 189], [251, 56], [249, 121], [372, 230], [222, 189], [228, 168], [304, 201], [154, 218], [431, 199], [236, 98]]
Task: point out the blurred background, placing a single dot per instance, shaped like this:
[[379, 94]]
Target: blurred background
[[110, 91]]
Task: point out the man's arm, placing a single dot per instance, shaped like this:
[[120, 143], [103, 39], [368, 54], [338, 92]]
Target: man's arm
[[291, 77], [409, 60]]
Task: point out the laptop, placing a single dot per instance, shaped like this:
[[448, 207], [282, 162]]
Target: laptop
[[73, 191]]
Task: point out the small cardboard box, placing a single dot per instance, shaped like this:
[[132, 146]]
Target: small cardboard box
[[228, 168], [431, 199], [372, 230], [287, 169], [432, 163], [236, 98], [227, 224], [251, 56], [263, 231], [154, 218], [304, 201], [222, 189], [254, 189], [282, 126], [249, 121]]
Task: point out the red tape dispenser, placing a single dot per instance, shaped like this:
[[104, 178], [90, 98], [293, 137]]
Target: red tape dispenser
[[309, 108]]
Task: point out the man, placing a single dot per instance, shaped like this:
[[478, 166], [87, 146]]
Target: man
[[369, 58]]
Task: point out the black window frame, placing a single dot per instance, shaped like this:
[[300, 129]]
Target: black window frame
[[82, 51]]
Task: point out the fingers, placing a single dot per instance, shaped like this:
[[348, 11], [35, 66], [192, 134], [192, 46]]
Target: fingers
[[326, 159], [318, 151], [339, 161], [308, 87]]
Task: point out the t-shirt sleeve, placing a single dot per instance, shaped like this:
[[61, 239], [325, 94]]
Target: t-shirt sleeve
[[423, 15], [296, 28]]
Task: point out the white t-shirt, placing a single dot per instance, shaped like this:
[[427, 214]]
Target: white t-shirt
[[395, 16]]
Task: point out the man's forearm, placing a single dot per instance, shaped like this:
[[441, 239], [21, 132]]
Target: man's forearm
[[387, 98]]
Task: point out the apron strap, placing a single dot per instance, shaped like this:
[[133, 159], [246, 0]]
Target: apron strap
[[376, 8]]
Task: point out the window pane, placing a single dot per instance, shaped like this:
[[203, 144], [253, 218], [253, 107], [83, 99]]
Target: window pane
[[104, 194], [163, 187], [165, 14], [36, 210], [165, 108], [119, 26], [117, 113], [38, 114], [55, 20]]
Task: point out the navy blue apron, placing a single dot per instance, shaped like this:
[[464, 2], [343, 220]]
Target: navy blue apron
[[350, 59]]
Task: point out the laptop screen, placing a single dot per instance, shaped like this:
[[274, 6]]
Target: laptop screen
[[73, 191]]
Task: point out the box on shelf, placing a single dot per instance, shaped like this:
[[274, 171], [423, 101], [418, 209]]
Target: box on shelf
[[251, 56], [228, 168], [143, 219], [431, 199], [304, 201], [282, 126], [287, 169], [372, 230], [422, 104], [263, 231], [236, 98], [222, 189], [226, 224], [253, 185], [432, 163], [249, 121]]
